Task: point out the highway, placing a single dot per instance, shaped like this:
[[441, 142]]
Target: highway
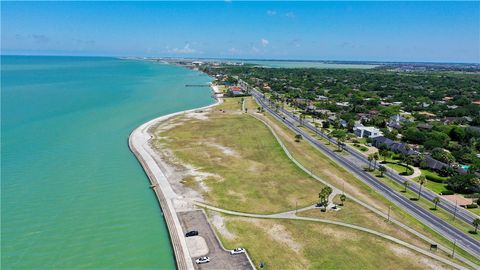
[[448, 206], [443, 228]]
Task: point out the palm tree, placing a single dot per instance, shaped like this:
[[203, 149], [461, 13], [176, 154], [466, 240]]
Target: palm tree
[[370, 158], [324, 194], [408, 161], [298, 137], [436, 200], [476, 223], [382, 169], [406, 183], [421, 181], [343, 198], [375, 157], [384, 154]]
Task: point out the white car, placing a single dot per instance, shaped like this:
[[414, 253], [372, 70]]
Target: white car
[[237, 251], [202, 260]]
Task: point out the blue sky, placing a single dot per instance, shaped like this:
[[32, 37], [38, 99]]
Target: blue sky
[[379, 31]]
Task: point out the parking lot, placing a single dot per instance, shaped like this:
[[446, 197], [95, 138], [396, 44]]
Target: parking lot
[[219, 258]]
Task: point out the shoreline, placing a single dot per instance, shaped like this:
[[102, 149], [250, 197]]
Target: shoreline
[[138, 142]]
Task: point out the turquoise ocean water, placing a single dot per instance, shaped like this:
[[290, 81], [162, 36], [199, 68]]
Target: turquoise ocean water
[[72, 194]]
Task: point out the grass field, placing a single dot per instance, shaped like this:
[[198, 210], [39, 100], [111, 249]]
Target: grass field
[[282, 244], [249, 170], [327, 169]]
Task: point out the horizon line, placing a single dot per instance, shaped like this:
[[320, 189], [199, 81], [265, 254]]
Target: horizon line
[[250, 59]]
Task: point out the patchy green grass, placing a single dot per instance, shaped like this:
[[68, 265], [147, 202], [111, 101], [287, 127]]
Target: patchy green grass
[[430, 206], [333, 173], [435, 187], [249, 170], [400, 168], [288, 244]]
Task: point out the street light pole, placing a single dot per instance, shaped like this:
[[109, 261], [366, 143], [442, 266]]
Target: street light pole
[[454, 245], [455, 212], [388, 218]]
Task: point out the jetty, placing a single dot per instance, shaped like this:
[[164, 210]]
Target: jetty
[[197, 85]]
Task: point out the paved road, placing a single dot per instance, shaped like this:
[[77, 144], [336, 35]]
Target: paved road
[[466, 242], [451, 208], [219, 258]]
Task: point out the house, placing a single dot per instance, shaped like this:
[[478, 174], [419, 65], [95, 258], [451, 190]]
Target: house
[[424, 126], [396, 121], [235, 91], [321, 98], [398, 147], [343, 104], [367, 132]]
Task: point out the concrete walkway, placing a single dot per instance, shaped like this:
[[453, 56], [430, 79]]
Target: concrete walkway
[[416, 173], [139, 144], [369, 207], [290, 215]]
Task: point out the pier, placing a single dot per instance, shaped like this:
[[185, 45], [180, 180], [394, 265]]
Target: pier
[[197, 85]]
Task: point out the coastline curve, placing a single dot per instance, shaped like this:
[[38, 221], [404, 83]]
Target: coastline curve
[[137, 141]]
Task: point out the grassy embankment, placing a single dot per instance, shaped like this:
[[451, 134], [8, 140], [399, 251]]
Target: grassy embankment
[[254, 175], [324, 167], [422, 202], [289, 244]]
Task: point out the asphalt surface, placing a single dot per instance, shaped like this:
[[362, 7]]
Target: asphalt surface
[[463, 240], [219, 258]]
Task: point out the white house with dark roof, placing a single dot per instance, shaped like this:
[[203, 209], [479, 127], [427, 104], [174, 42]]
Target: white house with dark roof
[[367, 132]]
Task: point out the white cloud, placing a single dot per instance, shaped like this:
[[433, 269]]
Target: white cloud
[[264, 42], [290, 15], [233, 51], [185, 50], [255, 49], [271, 12]]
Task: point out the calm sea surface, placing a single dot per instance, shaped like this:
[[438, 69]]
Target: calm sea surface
[[307, 64], [72, 194]]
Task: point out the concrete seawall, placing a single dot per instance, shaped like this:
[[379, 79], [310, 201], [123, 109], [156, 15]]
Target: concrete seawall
[[138, 143]]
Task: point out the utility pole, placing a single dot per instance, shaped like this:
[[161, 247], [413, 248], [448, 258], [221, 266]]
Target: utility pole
[[454, 245], [388, 217], [455, 212]]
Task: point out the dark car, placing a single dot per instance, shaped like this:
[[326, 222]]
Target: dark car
[[191, 233]]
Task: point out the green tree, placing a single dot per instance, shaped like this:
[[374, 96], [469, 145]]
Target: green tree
[[436, 200], [464, 183], [343, 198], [406, 183], [375, 158], [476, 223], [382, 169], [324, 194], [421, 181], [370, 158], [298, 137]]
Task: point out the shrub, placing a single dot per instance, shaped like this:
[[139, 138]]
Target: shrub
[[435, 178], [473, 205], [447, 192], [423, 165]]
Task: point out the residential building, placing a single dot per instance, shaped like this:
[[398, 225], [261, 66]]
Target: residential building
[[367, 132]]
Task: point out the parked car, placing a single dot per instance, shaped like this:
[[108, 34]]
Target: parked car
[[191, 233], [202, 260], [237, 251]]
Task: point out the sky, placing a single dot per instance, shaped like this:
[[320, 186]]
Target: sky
[[347, 31]]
